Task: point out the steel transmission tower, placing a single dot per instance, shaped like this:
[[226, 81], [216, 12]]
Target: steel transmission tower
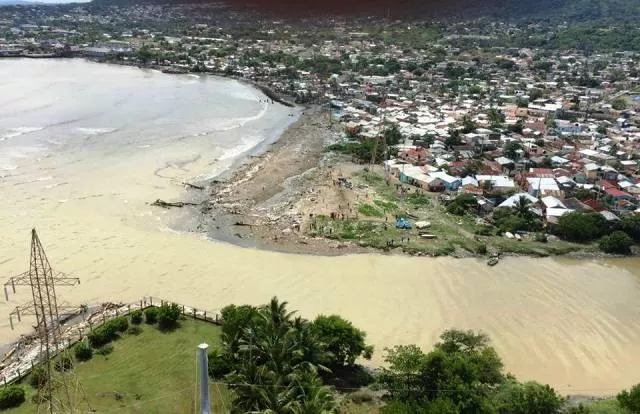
[[61, 392]]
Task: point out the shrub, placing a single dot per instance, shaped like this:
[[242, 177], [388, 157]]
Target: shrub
[[11, 396], [83, 351], [119, 324], [445, 250], [344, 341], [631, 226], [219, 365], [38, 377], [581, 227], [64, 363], [134, 330], [618, 242], [484, 230], [460, 204], [151, 315], [361, 396], [136, 317], [630, 399], [481, 249], [102, 335], [540, 237], [168, 315], [105, 350]]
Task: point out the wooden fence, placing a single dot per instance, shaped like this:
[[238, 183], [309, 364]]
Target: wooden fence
[[21, 365]]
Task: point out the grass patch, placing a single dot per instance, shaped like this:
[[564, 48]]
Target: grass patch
[[386, 206], [609, 406], [153, 372], [417, 200], [369, 210]]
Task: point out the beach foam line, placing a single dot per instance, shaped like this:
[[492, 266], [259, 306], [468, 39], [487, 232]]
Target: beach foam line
[[96, 131], [16, 132]]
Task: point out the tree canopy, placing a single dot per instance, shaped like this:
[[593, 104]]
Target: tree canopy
[[617, 242], [273, 358], [581, 227], [462, 375]]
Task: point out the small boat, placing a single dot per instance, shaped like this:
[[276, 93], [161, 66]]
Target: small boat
[[493, 261]]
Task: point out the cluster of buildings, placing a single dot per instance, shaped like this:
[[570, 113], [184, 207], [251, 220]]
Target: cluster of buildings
[[592, 168]]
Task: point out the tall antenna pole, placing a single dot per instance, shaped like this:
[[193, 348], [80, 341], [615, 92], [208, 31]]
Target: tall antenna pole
[[203, 366], [59, 392]]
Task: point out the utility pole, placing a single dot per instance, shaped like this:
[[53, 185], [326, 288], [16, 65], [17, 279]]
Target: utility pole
[[61, 392], [203, 363]]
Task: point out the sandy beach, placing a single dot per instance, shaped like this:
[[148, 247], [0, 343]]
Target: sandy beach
[[573, 324]]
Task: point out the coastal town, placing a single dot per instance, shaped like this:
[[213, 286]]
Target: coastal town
[[353, 212], [507, 139]]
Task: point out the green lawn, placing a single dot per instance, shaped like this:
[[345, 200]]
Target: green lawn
[[153, 372]]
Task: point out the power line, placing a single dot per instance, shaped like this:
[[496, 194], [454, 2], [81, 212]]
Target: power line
[[60, 391]]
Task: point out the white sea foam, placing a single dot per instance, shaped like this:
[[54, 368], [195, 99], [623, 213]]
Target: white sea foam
[[95, 131], [16, 132], [234, 123]]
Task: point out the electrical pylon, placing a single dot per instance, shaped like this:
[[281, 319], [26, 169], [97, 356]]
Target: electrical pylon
[[61, 392]]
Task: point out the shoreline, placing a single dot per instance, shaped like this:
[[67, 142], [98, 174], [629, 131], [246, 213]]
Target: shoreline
[[244, 228], [222, 219]]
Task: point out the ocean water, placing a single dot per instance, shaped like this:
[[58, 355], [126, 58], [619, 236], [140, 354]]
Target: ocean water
[[84, 149]]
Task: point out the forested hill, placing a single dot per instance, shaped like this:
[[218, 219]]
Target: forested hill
[[557, 10]]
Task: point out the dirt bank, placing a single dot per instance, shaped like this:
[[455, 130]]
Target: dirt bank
[[261, 203]]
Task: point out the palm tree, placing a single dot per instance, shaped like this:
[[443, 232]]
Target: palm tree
[[312, 351], [522, 207], [277, 362], [312, 396]]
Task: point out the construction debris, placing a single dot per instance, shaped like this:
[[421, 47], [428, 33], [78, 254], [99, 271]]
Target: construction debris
[[165, 204]]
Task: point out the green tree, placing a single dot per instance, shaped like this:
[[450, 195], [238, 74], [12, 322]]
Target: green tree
[[619, 104], [518, 127], [461, 204], [511, 149], [274, 360], [631, 226], [523, 207], [630, 399], [168, 315], [311, 396], [496, 118], [468, 125], [392, 135], [453, 139], [145, 54], [527, 398], [581, 227], [235, 321], [463, 361], [345, 342], [617, 242]]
